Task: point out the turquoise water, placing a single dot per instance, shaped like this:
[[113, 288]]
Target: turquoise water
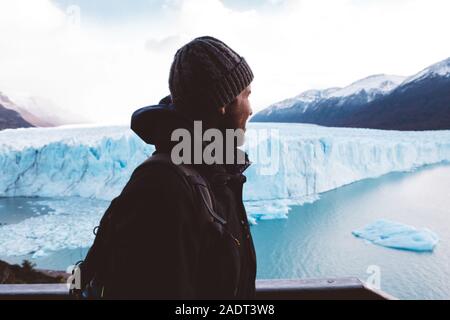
[[316, 241], [15, 210]]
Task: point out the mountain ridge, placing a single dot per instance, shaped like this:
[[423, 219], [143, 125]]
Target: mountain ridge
[[374, 102]]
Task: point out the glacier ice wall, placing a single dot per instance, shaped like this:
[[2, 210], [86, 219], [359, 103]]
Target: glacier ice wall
[[314, 159], [94, 162], [293, 167], [297, 163]]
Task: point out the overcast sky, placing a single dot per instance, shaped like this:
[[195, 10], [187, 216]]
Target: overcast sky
[[105, 58]]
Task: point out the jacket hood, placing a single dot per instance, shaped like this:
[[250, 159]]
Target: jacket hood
[[155, 124]]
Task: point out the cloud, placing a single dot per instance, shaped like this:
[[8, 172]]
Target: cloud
[[260, 5], [164, 44], [106, 71]]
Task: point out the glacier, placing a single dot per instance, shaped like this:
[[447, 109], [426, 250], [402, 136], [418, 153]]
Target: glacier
[[396, 235], [292, 164], [292, 167]]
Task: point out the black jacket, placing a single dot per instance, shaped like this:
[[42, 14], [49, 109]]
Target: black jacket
[[161, 247]]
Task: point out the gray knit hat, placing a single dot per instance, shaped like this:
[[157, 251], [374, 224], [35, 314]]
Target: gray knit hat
[[207, 74]]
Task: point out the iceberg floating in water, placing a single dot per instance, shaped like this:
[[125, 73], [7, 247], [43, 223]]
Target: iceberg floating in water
[[395, 235]]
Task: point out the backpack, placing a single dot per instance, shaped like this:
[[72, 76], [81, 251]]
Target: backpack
[[93, 270]]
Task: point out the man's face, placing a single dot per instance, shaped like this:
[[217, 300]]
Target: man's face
[[237, 113]]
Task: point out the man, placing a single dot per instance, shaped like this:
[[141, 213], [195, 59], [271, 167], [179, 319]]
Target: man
[[158, 244]]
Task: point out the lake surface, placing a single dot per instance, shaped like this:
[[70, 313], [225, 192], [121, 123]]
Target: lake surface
[[315, 241]]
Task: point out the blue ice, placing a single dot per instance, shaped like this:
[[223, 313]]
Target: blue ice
[[396, 235]]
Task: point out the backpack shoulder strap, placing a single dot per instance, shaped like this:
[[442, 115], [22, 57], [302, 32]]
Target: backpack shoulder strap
[[197, 182]]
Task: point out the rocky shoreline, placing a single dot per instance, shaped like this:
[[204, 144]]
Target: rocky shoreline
[[27, 274]]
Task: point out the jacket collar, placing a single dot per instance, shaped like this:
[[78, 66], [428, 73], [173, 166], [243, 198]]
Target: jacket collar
[[224, 173]]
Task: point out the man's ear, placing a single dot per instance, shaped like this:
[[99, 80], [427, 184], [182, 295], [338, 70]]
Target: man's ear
[[222, 111]]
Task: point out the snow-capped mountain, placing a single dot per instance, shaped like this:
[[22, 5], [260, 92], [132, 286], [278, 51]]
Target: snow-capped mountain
[[418, 102], [375, 85], [440, 69], [318, 106], [9, 117], [422, 102], [304, 99], [38, 111]]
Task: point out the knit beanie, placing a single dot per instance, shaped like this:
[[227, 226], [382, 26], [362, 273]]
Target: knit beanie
[[206, 74]]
